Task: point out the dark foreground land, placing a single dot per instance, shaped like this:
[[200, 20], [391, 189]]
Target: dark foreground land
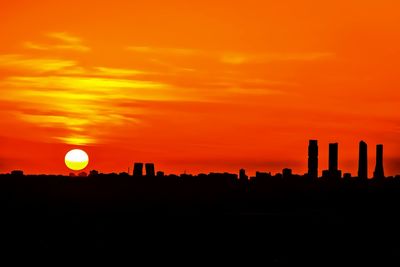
[[268, 220]]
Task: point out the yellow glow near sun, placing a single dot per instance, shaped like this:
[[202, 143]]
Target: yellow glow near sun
[[76, 159]]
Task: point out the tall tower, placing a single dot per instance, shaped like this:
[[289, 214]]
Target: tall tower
[[150, 172], [333, 157], [379, 173], [313, 159], [363, 161], [333, 171], [138, 169]]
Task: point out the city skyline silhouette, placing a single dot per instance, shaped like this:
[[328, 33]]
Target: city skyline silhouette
[[313, 171], [197, 87], [108, 211], [200, 132]]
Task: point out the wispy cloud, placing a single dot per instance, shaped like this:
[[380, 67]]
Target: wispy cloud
[[164, 50], [72, 99], [63, 67], [64, 41], [232, 57], [65, 37], [253, 91], [241, 58], [34, 64], [78, 104], [117, 72], [87, 88]]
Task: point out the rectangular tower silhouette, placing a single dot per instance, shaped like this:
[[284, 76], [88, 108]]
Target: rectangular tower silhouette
[[379, 173], [313, 159], [150, 171], [363, 161], [333, 171], [138, 169], [333, 157]]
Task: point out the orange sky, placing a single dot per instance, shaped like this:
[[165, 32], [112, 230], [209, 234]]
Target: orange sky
[[210, 86]]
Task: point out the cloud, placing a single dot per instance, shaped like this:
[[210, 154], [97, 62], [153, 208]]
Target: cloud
[[232, 57], [77, 140], [35, 46], [79, 104], [72, 101], [39, 65], [86, 84], [116, 72], [65, 37], [238, 58], [64, 41], [163, 50], [252, 91], [63, 67]]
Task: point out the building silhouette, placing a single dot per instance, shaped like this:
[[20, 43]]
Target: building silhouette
[[242, 175], [93, 173], [379, 173], [287, 173], [17, 173], [347, 176], [333, 171], [333, 157], [138, 169], [112, 209], [363, 161], [150, 171], [313, 159]]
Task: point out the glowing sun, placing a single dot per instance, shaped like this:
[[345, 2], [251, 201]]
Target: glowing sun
[[76, 159]]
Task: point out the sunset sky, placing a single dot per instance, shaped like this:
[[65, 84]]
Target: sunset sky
[[198, 86]]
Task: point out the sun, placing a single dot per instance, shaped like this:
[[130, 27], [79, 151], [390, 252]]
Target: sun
[[76, 159]]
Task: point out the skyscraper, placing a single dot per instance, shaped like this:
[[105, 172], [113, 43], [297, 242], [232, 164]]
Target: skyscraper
[[379, 173], [363, 161], [313, 159], [138, 169], [333, 157], [333, 171], [150, 172]]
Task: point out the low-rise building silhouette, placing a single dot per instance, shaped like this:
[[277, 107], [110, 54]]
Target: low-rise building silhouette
[[17, 173], [93, 173], [347, 176], [287, 173], [242, 175]]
